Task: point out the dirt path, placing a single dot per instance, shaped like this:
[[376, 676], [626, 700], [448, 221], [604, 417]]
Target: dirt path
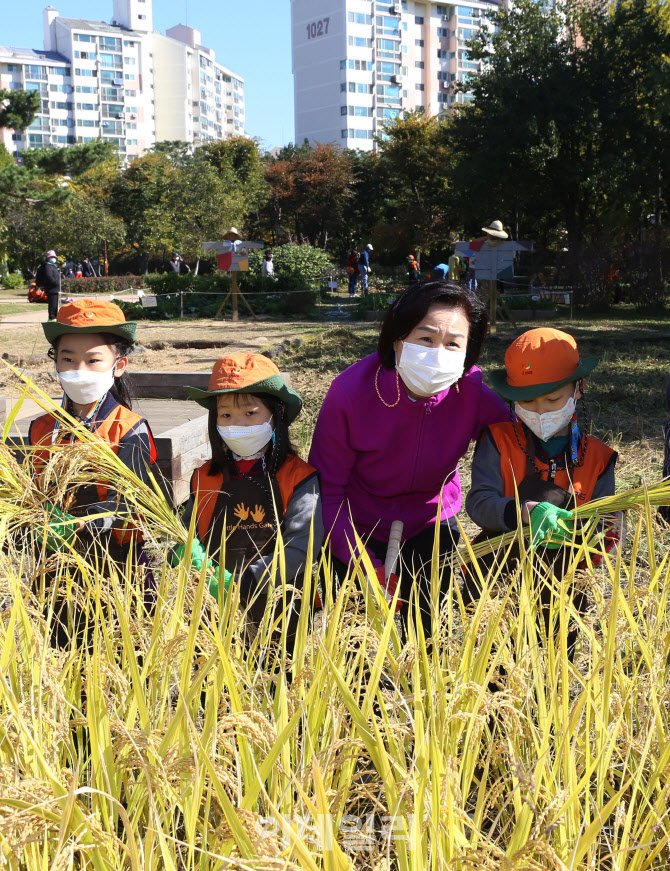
[[21, 336]]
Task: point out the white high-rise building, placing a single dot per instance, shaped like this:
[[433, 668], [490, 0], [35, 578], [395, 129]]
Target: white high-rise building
[[358, 63], [197, 98], [122, 82]]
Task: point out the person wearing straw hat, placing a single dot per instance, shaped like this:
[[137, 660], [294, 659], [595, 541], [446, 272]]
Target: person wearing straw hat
[[90, 341], [255, 486], [544, 455]]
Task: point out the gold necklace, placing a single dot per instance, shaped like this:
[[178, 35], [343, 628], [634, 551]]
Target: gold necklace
[[397, 384]]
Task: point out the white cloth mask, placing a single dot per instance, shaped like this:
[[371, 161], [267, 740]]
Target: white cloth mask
[[428, 371], [245, 441], [547, 424], [84, 385]]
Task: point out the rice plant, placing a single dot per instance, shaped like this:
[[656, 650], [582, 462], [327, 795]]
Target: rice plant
[[175, 737]]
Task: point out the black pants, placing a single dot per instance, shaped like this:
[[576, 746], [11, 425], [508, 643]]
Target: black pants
[[52, 304], [415, 569]]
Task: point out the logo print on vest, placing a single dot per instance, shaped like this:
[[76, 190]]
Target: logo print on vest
[[242, 512]]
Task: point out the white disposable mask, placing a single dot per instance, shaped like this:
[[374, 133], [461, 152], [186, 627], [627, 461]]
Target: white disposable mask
[[428, 371], [245, 441], [547, 424], [84, 385]]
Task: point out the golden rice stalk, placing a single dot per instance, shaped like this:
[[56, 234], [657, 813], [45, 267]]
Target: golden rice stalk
[[94, 459], [637, 499]]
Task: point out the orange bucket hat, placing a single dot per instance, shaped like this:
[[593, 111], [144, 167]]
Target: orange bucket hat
[[248, 373], [538, 362], [90, 316]]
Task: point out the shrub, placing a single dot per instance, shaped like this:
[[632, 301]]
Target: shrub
[[103, 284], [13, 280]]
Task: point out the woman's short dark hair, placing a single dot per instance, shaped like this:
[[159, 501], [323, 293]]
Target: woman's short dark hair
[[222, 458], [412, 306]]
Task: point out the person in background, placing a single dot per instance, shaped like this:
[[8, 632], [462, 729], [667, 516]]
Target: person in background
[[268, 267], [364, 266], [174, 264], [48, 278], [455, 268], [391, 433], [440, 272], [412, 269], [86, 268], [352, 269]]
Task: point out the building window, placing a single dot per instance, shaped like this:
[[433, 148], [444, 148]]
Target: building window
[[343, 110], [360, 42], [418, 43], [142, 17], [359, 18], [418, 19], [418, 64], [129, 77], [419, 86], [344, 134], [343, 86]]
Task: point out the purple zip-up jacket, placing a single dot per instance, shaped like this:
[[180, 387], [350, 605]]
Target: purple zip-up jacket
[[381, 464]]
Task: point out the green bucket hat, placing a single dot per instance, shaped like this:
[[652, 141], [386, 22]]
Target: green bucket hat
[[538, 362], [248, 373]]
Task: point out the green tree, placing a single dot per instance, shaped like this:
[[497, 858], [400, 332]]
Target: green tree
[[568, 124], [415, 165], [18, 108], [310, 192], [139, 196], [196, 205], [239, 160]]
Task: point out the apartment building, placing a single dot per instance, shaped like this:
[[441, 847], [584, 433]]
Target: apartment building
[[197, 98], [122, 82], [359, 63]]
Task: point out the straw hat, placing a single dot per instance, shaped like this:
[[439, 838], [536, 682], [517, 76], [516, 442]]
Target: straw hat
[[233, 235], [495, 228], [248, 373], [90, 316], [538, 362]]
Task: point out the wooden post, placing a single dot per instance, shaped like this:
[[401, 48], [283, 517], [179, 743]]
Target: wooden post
[[181, 303], [493, 302], [235, 292]]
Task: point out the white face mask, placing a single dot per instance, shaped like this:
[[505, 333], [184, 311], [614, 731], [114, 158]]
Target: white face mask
[[546, 425], [428, 371], [84, 385], [245, 441]]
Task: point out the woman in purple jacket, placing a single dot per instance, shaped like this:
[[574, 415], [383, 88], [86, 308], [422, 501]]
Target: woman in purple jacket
[[393, 428]]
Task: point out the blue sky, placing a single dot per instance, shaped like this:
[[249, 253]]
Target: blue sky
[[252, 37]]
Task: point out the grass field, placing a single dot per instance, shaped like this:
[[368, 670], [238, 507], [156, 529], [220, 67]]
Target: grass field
[[173, 740]]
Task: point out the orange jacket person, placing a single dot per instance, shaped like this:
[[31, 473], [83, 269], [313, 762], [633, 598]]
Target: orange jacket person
[[90, 341], [544, 454], [255, 484]]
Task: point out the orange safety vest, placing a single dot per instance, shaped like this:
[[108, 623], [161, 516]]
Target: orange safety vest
[[207, 488], [111, 430], [578, 480]]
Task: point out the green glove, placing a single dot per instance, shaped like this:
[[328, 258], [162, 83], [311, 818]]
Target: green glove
[[198, 560], [548, 525], [59, 531], [214, 582], [198, 555]]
